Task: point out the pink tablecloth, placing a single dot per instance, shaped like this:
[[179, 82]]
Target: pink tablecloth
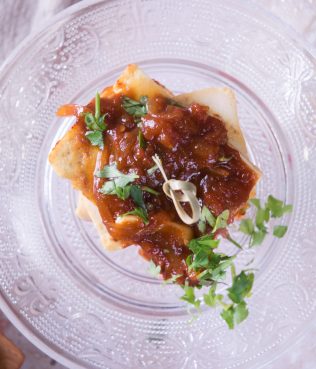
[[19, 17]]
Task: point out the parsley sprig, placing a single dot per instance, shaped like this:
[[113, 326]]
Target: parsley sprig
[[211, 266], [120, 184], [95, 124], [258, 229], [137, 109]]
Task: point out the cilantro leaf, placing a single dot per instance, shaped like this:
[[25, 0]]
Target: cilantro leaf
[[277, 207], [150, 190], [279, 231], [154, 269], [256, 203], [152, 170], [246, 226], [206, 216], [235, 314], [211, 298], [111, 171], [141, 139], [108, 188], [189, 296], [240, 312], [228, 316], [234, 242], [136, 108], [119, 185], [95, 124], [219, 271], [139, 212], [258, 237], [172, 279], [262, 216], [221, 221], [241, 287], [95, 138], [137, 196], [123, 192]]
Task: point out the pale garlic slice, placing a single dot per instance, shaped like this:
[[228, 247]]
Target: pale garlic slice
[[180, 191]]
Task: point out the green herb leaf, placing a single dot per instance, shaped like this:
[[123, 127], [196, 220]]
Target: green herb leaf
[[218, 272], [152, 170], [277, 207], [120, 179], [258, 237], [221, 221], [109, 188], [137, 196], [234, 242], [150, 190], [228, 316], [123, 192], [136, 108], [211, 298], [154, 269], [111, 171], [240, 312], [256, 203], [95, 138], [189, 296], [246, 226], [262, 216], [205, 242], [279, 231], [206, 216], [241, 287], [139, 212], [172, 279], [235, 314], [119, 185], [97, 106], [141, 139], [95, 124]]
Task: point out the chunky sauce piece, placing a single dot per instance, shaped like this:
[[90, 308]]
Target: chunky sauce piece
[[192, 146]]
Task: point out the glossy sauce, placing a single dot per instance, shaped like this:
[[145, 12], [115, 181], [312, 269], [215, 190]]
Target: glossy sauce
[[192, 146]]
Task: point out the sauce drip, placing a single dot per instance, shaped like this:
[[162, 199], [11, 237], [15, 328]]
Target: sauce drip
[[192, 146]]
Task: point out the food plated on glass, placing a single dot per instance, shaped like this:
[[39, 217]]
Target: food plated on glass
[[171, 174]]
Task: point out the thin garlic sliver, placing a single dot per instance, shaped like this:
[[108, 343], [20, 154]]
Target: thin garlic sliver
[[180, 191]]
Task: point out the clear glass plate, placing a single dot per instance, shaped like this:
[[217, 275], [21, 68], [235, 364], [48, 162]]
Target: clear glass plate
[[92, 309]]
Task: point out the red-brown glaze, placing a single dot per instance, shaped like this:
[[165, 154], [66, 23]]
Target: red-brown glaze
[[192, 146]]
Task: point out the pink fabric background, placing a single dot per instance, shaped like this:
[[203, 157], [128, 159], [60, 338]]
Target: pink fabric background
[[20, 17]]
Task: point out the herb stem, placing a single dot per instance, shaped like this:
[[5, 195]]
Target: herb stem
[[97, 106]]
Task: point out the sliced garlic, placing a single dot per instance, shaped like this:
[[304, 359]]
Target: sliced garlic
[[180, 191]]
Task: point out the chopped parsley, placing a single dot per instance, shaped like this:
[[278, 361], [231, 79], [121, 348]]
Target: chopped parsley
[[258, 229], [211, 266], [139, 212], [119, 185], [152, 170], [141, 139], [154, 269], [135, 108], [189, 296], [150, 190], [95, 124], [206, 217]]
